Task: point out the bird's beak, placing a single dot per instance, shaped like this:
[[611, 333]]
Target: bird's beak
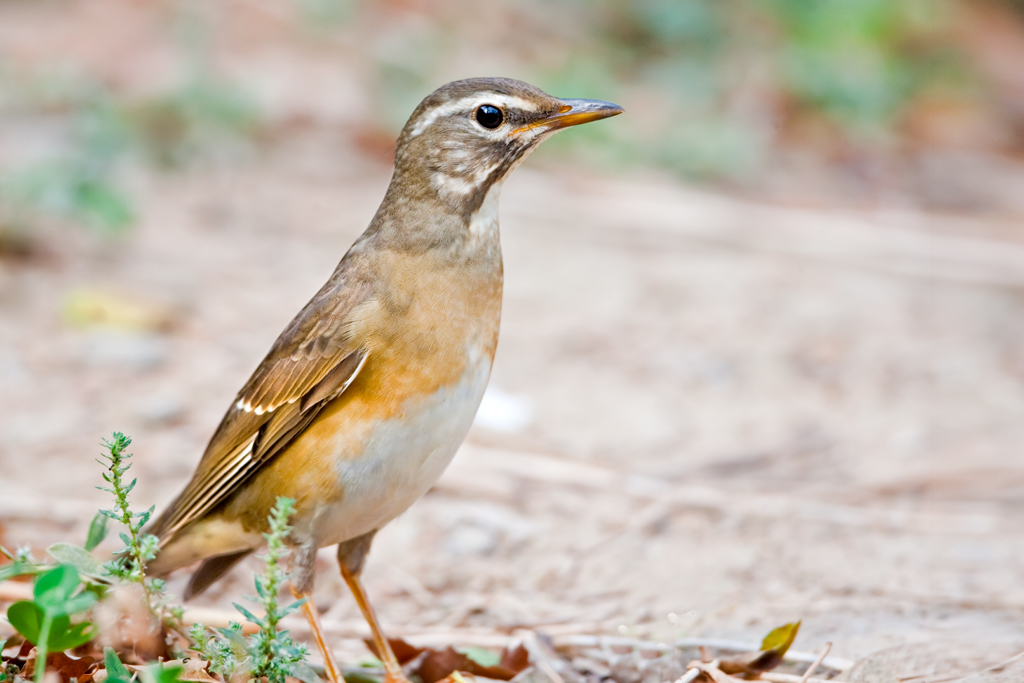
[[573, 113]]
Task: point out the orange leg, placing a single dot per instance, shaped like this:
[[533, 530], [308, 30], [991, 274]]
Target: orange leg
[[331, 669], [392, 669]]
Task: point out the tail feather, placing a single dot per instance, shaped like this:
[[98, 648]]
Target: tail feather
[[212, 569]]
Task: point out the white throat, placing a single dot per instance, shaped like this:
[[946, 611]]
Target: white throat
[[483, 223]]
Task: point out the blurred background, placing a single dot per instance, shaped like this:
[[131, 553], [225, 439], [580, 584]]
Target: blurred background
[[762, 355]]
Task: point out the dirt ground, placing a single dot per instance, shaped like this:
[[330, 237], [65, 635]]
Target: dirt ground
[[707, 417], [710, 416]]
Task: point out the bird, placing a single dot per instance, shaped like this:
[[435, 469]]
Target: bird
[[364, 398]]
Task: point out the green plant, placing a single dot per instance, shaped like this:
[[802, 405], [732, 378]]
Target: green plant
[[7, 672], [138, 548], [129, 563], [104, 134], [117, 672], [79, 180], [22, 563], [269, 652], [73, 586], [46, 619], [155, 673]]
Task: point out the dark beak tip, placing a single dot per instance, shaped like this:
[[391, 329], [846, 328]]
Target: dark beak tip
[[597, 108]]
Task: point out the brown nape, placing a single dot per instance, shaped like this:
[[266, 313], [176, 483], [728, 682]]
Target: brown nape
[[210, 571]]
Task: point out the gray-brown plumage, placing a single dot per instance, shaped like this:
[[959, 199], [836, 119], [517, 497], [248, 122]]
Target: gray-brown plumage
[[364, 398]]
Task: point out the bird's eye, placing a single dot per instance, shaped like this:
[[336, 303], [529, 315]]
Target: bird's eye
[[489, 116]]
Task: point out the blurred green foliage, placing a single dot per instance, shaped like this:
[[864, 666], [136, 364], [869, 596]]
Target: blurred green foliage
[[715, 89], [75, 180], [85, 176], [722, 84], [723, 79]]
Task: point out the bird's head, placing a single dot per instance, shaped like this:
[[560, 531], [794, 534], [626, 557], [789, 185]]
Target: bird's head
[[467, 136]]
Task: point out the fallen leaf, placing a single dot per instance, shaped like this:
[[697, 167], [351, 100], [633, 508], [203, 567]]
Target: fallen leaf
[[751, 662], [80, 668], [517, 659], [773, 648], [436, 665], [779, 639]]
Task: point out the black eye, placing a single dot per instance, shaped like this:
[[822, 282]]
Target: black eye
[[489, 117]]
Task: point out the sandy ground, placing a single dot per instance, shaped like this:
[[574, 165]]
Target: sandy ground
[[734, 414], [709, 416]]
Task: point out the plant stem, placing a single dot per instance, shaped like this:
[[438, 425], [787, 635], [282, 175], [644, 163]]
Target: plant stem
[[42, 651]]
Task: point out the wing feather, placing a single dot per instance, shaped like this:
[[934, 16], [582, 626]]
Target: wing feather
[[313, 361]]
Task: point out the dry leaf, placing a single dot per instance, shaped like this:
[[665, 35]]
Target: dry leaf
[[435, 665], [773, 648], [752, 662], [439, 664], [779, 639], [81, 668]]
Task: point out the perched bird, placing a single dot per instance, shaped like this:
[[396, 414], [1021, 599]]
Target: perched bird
[[366, 395]]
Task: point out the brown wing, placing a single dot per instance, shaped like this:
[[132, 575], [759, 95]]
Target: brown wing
[[312, 362]]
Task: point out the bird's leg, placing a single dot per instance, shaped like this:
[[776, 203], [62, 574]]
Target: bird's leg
[[351, 556], [303, 567]]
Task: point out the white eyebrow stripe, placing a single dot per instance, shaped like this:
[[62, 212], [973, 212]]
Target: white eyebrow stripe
[[467, 103]]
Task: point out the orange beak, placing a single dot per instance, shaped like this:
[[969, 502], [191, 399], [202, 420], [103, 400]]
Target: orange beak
[[573, 113]]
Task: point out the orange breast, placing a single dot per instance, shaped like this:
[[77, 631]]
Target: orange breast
[[429, 328]]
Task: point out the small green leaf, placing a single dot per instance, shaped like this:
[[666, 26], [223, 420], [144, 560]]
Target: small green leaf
[[781, 638], [70, 637], [98, 529], [79, 603], [56, 585], [115, 669], [294, 607], [26, 618], [235, 637], [304, 672], [248, 615], [158, 673], [79, 558]]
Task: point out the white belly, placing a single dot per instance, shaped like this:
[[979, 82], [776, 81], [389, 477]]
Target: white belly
[[402, 459]]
